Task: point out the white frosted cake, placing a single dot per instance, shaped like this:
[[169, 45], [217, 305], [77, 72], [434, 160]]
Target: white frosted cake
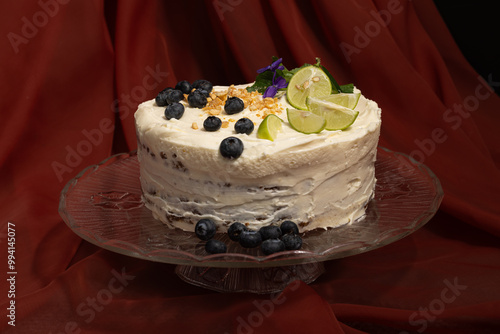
[[317, 180]]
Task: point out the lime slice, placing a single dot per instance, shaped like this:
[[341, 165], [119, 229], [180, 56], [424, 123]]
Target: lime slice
[[269, 127], [337, 117], [305, 121], [344, 99], [308, 81]]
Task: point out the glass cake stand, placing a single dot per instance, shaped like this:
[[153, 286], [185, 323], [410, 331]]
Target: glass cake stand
[[103, 206]]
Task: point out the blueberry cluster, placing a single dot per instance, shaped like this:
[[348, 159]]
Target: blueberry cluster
[[200, 91], [205, 230], [271, 239], [170, 97]]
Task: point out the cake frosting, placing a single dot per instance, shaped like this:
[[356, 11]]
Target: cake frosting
[[317, 180]]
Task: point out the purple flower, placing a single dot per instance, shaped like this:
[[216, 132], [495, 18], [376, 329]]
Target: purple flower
[[277, 84], [273, 67]]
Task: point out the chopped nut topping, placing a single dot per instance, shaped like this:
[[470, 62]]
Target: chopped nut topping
[[253, 101], [194, 126], [225, 124]]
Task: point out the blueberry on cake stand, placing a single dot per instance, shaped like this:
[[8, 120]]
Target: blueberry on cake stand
[[103, 206]]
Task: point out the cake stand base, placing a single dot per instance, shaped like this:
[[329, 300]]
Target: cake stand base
[[255, 280]]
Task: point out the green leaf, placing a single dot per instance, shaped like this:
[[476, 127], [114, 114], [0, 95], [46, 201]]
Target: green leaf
[[262, 81], [335, 88], [348, 88]]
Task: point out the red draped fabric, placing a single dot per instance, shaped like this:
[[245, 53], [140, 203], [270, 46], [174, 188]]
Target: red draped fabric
[[72, 75]]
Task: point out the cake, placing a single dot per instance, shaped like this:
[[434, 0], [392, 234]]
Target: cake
[[320, 180]]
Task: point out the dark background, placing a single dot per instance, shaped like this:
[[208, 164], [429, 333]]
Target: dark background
[[475, 26]]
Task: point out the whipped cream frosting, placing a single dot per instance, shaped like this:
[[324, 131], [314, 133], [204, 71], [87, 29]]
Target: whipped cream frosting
[[317, 180]]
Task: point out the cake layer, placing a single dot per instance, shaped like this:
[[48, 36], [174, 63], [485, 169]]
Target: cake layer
[[317, 180]]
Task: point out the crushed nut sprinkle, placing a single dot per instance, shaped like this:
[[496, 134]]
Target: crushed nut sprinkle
[[194, 126], [253, 101]]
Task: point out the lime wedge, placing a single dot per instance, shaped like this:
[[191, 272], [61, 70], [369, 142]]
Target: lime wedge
[[337, 117], [344, 99], [269, 127], [308, 81], [305, 121]]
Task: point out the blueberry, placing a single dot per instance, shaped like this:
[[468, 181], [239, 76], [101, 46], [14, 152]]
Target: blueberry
[[161, 98], [231, 148], [289, 227], [250, 239], [212, 123], [234, 105], [202, 84], [205, 229], [174, 110], [174, 96], [214, 246], [270, 232], [235, 230], [292, 241], [184, 86], [243, 125], [271, 246], [196, 99], [204, 92]]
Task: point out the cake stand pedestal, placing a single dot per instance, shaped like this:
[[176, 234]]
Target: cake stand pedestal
[[256, 280]]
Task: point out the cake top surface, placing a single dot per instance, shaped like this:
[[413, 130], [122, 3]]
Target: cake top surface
[[189, 131]]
